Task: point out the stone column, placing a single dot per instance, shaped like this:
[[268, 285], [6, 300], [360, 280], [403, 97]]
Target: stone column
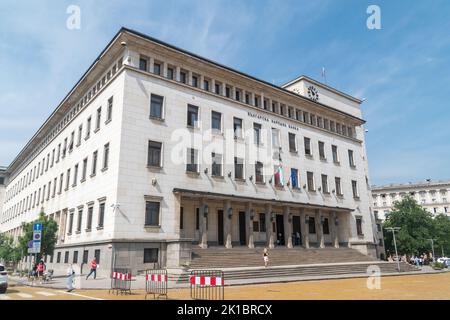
[[177, 75], [243, 93], [165, 69], [261, 103], [233, 92], [319, 229], [249, 225], [202, 82], [203, 230], [305, 228], [213, 86], [176, 218], [227, 224], [287, 227], [224, 89], [269, 227], [151, 65], [335, 228], [189, 78], [252, 98]]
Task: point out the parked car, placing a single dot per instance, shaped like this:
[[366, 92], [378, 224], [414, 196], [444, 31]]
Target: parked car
[[3, 279]]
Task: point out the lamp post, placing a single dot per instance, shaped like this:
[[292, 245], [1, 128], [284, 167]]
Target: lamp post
[[432, 247], [393, 230]]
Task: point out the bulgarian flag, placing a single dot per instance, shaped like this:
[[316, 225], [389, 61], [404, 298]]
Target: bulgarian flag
[[279, 177]]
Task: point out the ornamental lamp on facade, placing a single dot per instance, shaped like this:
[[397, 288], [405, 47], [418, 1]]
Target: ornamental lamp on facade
[[205, 210], [230, 213]]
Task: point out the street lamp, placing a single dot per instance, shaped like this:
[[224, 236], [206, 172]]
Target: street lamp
[[432, 246], [393, 230]]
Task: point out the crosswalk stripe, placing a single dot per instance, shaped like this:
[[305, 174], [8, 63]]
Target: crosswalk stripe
[[4, 297], [45, 293], [24, 295], [80, 295]]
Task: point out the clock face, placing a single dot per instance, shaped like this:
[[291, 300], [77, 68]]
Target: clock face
[[313, 94], [296, 91]]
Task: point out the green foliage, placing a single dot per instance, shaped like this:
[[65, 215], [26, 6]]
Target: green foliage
[[9, 252], [417, 227], [438, 265], [49, 234]]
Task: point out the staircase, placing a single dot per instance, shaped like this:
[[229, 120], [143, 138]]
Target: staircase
[[243, 265], [220, 257]]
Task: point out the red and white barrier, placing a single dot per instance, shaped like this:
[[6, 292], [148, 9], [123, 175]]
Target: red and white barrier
[[156, 277], [207, 281], [121, 276]]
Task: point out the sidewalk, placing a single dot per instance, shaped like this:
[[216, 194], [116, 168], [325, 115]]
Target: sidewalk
[[138, 282]]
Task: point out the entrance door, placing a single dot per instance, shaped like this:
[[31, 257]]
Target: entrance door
[[297, 231], [220, 227], [280, 230], [242, 234]]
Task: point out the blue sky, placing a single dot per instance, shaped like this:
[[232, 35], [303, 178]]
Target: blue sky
[[402, 70]]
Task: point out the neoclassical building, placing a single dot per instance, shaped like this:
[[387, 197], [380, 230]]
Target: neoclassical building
[[431, 195], [157, 150]]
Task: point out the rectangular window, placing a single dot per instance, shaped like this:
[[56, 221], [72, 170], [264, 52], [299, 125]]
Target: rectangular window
[[322, 150], [227, 92], [58, 257], [67, 179], [61, 177], [105, 156], [154, 154], [170, 73], [292, 144], [66, 257], [181, 218], [75, 175], [94, 163], [80, 219], [307, 146], [101, 215], [89, 218], [183, 77], [47, 162], [59, 152], [335, 154], [156, 106], [259, 175], [238, 95], [55, 181], [355, 189], [70, 223], [150, 255], [143, 64], [217, 88], [216, 164], [310, 178], [80, 134], [97, 255], [109, 110], [197, 218], [237, 127], [275, 139], [216, 121], [262, 222], [53, 158], [152, 213], [337, 182], [64, 149], [350, 158], [83, 174], [157, 69], [312, 225], [359, 226], [257, 133], [238, 168], [192, 116], [194, 81], [326, 228], [88, 128], [206, 85], [85, 256], [99, 118], [192, 160], [75, 257], [325, 184]]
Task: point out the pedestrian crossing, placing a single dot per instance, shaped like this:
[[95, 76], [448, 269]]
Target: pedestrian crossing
[[22, 295]]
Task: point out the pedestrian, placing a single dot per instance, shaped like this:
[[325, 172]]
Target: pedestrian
[[93, 268], [40, 270], [70, 275], [266, 257]]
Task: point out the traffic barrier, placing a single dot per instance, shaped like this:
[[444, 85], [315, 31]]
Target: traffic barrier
[[207, 284], [120, 281], [156, 283]]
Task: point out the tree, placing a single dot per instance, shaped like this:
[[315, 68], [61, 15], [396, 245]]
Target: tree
[[9, 251], [417, 226], [49, 235], [441, 233]]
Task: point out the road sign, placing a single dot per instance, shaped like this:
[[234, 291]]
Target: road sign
[[37, 227], [30, 244], [34, 250]]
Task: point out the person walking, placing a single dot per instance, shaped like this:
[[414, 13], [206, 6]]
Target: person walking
[[70, 274], [93, 268], [266, 257], [40, 270]]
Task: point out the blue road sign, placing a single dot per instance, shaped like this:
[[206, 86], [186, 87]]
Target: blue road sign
[[37, 227], [30, 244]]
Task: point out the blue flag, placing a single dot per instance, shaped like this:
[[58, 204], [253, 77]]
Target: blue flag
[[294, 178]]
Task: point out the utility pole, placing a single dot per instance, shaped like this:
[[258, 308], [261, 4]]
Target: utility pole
[[393, 230], [432, 247]]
